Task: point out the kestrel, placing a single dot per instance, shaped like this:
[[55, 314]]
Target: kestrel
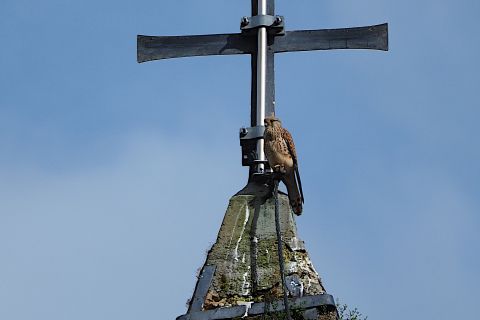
[[282, 157]]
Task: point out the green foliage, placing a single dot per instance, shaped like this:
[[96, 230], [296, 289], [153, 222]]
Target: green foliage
[[344, 313]]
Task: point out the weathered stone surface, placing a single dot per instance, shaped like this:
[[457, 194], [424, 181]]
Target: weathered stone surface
[[246, 259], [240, 271], [319, 307]]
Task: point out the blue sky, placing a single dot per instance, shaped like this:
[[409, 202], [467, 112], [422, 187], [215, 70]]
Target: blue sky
[[114, 176]]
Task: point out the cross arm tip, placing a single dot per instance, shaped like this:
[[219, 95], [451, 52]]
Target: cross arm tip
[[386, 37]]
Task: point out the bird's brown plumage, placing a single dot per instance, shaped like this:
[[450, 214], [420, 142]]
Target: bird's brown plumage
[[282, 156]]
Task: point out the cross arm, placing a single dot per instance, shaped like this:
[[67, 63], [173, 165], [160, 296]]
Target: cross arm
[[155, 48], [371, 37]]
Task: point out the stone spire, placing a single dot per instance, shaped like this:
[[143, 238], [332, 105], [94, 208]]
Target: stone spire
[[241, 276]]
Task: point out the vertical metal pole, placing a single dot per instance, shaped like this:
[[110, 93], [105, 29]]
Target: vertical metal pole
[[261, 82]]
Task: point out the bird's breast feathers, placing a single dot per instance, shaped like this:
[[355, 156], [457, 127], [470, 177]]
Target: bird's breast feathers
[[277, 153]]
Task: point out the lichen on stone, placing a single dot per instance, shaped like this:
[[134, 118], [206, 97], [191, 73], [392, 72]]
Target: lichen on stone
[[246, 257]]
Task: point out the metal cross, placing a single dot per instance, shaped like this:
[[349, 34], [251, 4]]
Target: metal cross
[[263, 34]]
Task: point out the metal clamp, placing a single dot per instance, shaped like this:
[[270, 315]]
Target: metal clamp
[[274, 24], [248, 142], [252, 133]]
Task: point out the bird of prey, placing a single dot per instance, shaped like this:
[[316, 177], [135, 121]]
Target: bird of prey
[[282, 157]]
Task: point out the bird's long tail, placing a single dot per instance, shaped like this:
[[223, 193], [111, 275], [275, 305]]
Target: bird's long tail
[[297, 176], [293, 193]]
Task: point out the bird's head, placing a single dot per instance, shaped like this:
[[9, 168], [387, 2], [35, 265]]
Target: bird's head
[[271, 121]]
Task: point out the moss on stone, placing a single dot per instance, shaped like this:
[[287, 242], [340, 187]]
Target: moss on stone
[[231, 254]]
